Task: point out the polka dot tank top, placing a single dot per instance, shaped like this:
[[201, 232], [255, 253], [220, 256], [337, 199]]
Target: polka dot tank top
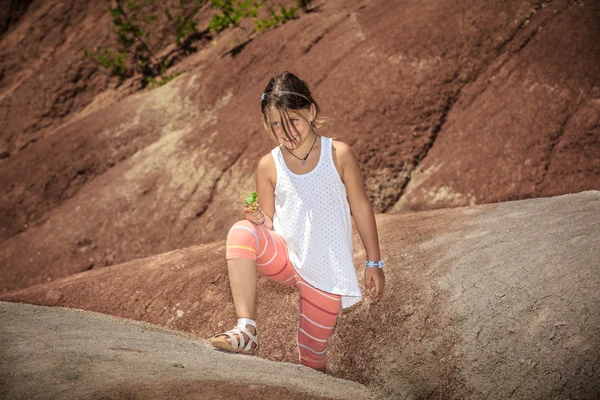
[[312, 215]]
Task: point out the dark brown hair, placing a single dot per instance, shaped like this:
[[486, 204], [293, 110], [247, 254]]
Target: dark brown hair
[[288, 92]]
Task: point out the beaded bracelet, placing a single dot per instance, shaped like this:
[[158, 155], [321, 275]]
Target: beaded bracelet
[[372, 264]]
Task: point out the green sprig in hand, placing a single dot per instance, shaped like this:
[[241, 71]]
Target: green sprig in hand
[[252, 209], [251, 202]]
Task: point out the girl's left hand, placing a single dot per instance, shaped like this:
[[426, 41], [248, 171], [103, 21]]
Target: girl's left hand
[[374, 276], [257, 218]]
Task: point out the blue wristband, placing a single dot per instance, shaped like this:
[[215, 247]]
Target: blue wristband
[[372, 264]]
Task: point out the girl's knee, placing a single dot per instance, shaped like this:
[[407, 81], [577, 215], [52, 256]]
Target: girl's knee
[[243, 222], [242, 241], [243, 228]]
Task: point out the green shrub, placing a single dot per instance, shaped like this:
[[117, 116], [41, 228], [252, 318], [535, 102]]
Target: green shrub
[[117, 64], [231, 13], [133, 28], [285, 14], [133, 53]]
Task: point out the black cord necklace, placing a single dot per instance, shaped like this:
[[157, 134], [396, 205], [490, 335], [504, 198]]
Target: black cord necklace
[[303, 159]]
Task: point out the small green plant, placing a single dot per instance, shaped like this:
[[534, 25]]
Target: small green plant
[[284, 15], [251, 201], [232, 13], [133, 28], [164, 79], [117, 64]]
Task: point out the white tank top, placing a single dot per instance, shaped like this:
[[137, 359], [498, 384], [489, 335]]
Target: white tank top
[[312, 215]]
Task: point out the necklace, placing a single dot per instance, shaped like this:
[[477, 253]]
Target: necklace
[[303, 159]]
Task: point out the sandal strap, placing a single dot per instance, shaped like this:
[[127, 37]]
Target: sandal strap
[[246, 321], [234, 341], [231, 333], [236, 333], [242, 322]]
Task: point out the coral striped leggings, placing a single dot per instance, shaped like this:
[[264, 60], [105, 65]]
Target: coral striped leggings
[[318, 309]]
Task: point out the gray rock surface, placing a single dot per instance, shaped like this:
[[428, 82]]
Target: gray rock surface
[[61, 353]]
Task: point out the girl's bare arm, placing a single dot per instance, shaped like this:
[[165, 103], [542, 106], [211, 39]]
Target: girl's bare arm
[[360, 206], [362, 213]]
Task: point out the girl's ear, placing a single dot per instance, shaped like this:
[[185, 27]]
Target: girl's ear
[[313, 112]]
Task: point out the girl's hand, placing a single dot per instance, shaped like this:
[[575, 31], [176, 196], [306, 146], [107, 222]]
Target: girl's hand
[[257, 218], [374, 277]]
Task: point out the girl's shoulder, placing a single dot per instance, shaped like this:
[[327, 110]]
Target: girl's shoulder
[[341, 151], [266, 167], [342, 155], [266, 162], [339, 145]]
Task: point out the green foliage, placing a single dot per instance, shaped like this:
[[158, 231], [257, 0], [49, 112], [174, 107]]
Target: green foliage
[[117, 64], [134, 24], [261, 25], [133, 27], [183, 27], [231, 13], [251, 199], [164, 79], [284, 15]]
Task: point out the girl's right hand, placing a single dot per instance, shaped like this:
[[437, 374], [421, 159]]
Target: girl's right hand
[[257, 218]]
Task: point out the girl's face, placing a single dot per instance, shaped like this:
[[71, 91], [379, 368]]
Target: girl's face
[[298, 126]]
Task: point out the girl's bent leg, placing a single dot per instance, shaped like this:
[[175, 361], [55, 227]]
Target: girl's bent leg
[[241, 249], [242, 244], [251, 248], [266, 247], [242, 279]]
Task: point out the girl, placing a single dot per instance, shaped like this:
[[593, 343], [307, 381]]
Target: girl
[[308, 186]]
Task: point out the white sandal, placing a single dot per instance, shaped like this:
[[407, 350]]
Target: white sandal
[[235, 346]]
